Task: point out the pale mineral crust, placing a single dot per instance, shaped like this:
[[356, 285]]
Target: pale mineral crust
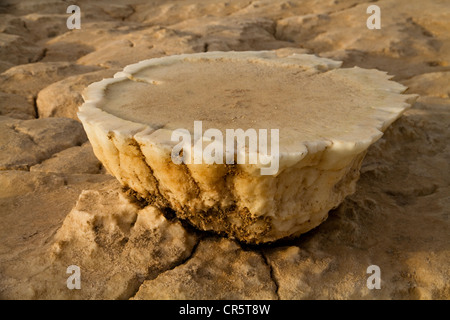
[[327, 118]]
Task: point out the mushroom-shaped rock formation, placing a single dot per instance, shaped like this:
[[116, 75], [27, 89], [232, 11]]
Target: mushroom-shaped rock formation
[[168, 129]]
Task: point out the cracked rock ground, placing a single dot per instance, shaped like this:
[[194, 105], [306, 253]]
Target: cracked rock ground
[[59, 207]]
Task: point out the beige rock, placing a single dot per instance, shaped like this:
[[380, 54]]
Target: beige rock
[[16, 106], [435, 84], [231, 33], [28, 79], [5, 65], [62, 98], [16, 183], [74, 44], [74, 160], [413, 42], [33, 207], [119, 53], [318, 163], [41, 26], [99, 10], [17, 50], [168, 13], [218, 269], [12, 24], [118, 11], [41, 138], [116, 244], [30, 6], [130, 44], [277, 10]]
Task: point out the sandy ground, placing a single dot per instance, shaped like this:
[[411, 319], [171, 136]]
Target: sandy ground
[[59, 207]]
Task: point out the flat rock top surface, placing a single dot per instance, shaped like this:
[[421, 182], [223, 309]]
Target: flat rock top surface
[[239, 94], [300, 95]]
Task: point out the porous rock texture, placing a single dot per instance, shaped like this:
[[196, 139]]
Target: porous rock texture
[[241, 274], [326, 119], [50, 192]]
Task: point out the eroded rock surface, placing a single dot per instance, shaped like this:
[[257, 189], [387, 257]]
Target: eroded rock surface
[[16, 106], [116, 245], [62, 98], [74, 160], [28, 142], [28, 79], [218, 269]]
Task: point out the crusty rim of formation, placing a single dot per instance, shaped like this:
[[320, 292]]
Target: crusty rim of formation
[[89, 112]]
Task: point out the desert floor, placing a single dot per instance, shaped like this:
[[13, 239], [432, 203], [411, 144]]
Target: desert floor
[[59, 206]]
